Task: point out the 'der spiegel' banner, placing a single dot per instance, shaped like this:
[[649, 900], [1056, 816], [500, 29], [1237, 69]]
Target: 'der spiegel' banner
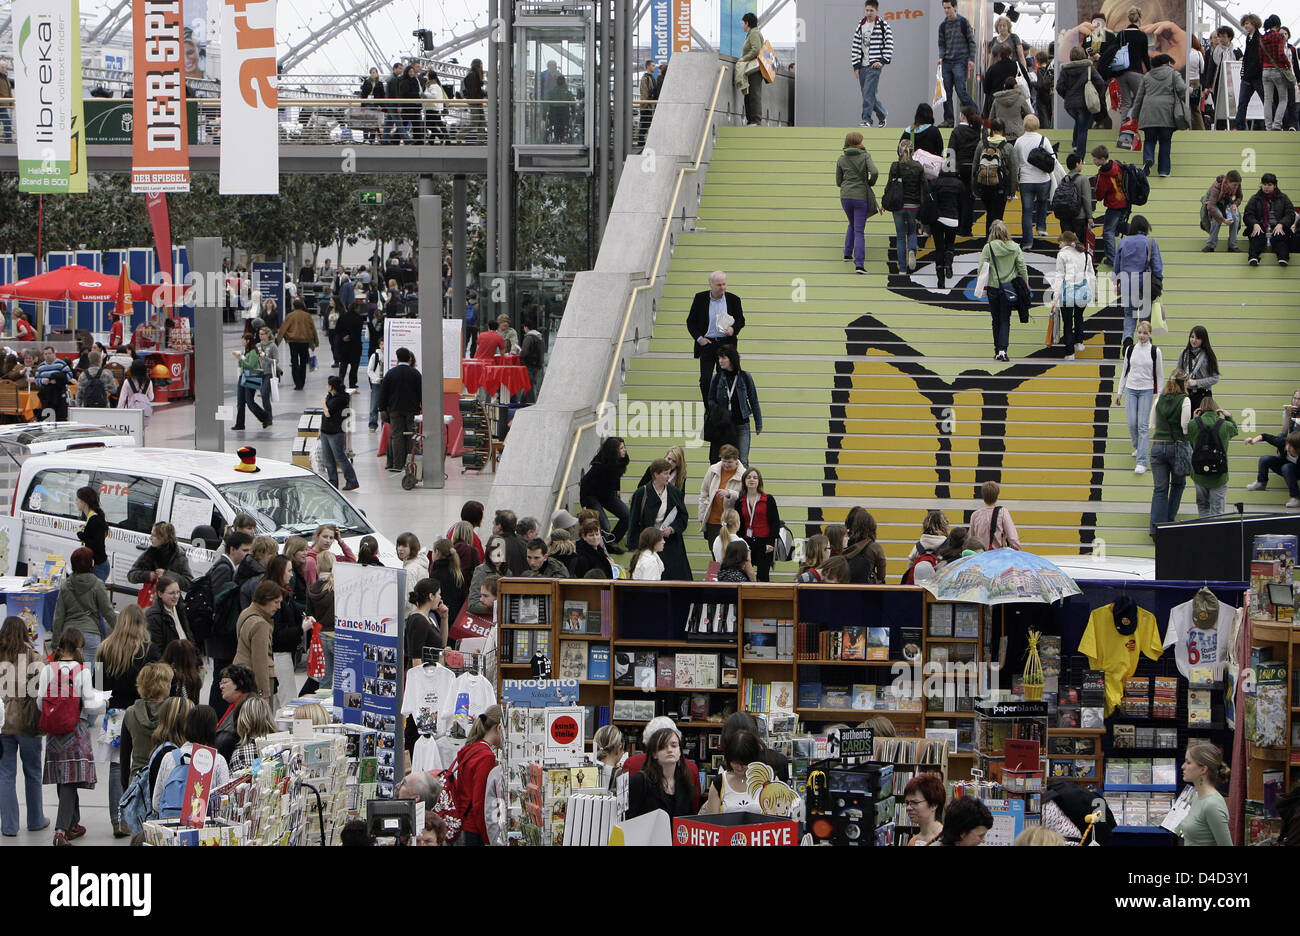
[[250, 130], [49, 128], [160, 155]]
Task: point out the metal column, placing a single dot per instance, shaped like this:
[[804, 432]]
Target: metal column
[[493, 108], [460, 264], [209, 388], [622, 85], [601, 140], [428, 223], [504, 81]]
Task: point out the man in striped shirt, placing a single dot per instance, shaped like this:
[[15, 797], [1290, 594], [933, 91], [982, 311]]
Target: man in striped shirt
[[956, 57], [873, 49]]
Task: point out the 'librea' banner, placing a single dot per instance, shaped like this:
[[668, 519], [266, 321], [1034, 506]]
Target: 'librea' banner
[[49, 127], [160, 153], [250, 131]]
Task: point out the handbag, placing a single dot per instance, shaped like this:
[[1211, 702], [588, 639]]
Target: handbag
[[315, 654], [1182, 113], [250, 379], [1008, 288], [1091, 99], [1157, 279], [146, 594], [1159, 324], [385, 434], [1182, 459], [892, 199], [275, 389]]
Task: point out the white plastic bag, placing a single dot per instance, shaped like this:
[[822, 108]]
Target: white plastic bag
[[275, 388], [982, 282]]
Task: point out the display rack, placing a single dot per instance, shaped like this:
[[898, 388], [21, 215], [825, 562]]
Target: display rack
[[1081, 741], [942, 645], [1282, 641]]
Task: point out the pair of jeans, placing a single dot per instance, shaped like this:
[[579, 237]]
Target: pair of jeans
[[905, 229], [1279, 242], [1245, 91], [1131, 320], [69, 814], [11, 747], [374, 406], [954, 77], [1164, 137], [1279, 465], [1000, 311], [334, 449], [1211, 502], [247, 395], [869, 82], [1082, 121], [299, 354], [1234, 227], [1110, 225], [92, 643], [855, 237], [1137, 409], [399, 442], [1033, 210], [1130, 82], [101, 570], [1167, 493], [614, 504], [742, 442]]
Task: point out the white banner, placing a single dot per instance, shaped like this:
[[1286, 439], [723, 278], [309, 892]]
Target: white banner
[[127, 420], [250, 132], [405, 333], [47, 75]]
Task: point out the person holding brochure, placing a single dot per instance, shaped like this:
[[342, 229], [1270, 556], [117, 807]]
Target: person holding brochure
[[660, 505]]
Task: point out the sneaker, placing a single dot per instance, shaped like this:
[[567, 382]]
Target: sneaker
[[848, 258], [1257, 486], [266, 425], [1042, 233], [1080, 347], [1281, 262], [1140, 469], [60, 839], [1133, 454], [1069, 357], [374, 428], [1001, 356], [1146, 167], [865, 123], [120, 830], [1293, 502], [1164, 175], [911, 260], [1207, 249], [236, 428], [1254, 261], [77, 831], [352, 487], [861, 271]]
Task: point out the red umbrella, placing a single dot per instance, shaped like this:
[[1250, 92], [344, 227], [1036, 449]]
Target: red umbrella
[[75, 283]]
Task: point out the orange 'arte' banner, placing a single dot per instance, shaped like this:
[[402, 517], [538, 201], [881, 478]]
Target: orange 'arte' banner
[[681, 25], [160, 156], [250, 128]]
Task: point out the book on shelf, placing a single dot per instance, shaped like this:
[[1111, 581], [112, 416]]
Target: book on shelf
[[522, 641], [574, 620], [699, 706], [966, 621], [573, 659], [1049, 654], [665, 671], [684, 671], [644, 670], [1271, 715], [877, 643], [729, 672], [1164, 770], [853, 646], [864, 697], [940, 623], [1124, 736], [810, 694], [706, 671], [1117, 772], [782, 698], [541, 642], [598, 663], [1139, 771], [837, 697], [1092, 716]]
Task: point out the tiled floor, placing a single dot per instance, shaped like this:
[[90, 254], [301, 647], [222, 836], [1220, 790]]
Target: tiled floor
[[427, 513]]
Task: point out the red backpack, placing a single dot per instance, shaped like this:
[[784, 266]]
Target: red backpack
[[61, 705], [909, 575]]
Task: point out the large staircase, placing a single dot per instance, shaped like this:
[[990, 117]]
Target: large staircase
[[881, 390]]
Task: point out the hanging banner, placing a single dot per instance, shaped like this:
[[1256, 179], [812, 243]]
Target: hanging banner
[[47, 96], [731, 37], [681, 25], [660, 31], [162, 231], [250, 132], [160, 153]]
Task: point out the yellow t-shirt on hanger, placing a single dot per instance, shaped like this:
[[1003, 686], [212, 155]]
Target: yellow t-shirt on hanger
[[1107, 649]]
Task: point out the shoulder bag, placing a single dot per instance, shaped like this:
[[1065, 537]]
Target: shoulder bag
[[892, 199]]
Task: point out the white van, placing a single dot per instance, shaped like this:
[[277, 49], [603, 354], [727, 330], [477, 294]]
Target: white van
[[199, 493], [20, 441]]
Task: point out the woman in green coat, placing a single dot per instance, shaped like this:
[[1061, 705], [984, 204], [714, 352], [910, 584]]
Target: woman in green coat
[[659, 504], [1211, 488], [855, 173], [750, 80]]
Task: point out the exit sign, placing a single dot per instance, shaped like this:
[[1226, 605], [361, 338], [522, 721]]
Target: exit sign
[[370, 198]]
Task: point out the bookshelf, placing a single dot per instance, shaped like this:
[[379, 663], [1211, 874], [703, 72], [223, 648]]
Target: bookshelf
[[527, 617], [1281, 640], [942, 645], [1076, 753]]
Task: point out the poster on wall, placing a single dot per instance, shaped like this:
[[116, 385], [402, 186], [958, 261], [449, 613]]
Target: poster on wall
[[368, 605], [196, 38], [48, 121], [160, 151], [250, 130], [268, 279], [1164, 22], [405, 333]]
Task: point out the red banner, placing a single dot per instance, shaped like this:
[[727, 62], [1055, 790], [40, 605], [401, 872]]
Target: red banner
[[469, 625], [162, 231], [160, 157]]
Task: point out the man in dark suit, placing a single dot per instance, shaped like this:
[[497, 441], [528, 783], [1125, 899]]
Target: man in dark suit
[[707, 331]]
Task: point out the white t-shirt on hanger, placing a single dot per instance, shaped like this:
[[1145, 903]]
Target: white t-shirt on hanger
[[1194, 646], [427, 688]]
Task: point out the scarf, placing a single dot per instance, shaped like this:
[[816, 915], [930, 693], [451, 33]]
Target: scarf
[[1268, 207]]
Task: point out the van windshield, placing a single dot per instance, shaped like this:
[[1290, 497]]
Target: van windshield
[[288, 506]]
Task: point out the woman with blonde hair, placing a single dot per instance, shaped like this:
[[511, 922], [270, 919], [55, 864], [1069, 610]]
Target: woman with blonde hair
[[141, 720], [462, 540], [171, 721], [1038, 836], [816, 550], [1207, 823], [446, 569], [914, 188], [729, 531], [562, 547], [313, 712], [610, 753], [934, 530], [20, 735], [255, 721], [676, 458], [121, 657], [1006, 264], [646, 566]]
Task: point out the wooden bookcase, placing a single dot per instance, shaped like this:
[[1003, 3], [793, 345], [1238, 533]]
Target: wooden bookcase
[[1096, 756], [959, 762], [508, 589], [1283, 638]]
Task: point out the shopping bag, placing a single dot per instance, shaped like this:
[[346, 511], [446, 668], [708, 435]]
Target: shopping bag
[[275, 389], [1112, 92], [311, 362], [316, 456], [982, 282], [385, 433], [931, 163], [315, 654], [1159, 323], [1050, 338], [145, 597]]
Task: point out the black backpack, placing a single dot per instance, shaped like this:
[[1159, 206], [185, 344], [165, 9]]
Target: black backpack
[[95, 394], [1066, 200], [209, 614], [1209, 456], [1137, 187]]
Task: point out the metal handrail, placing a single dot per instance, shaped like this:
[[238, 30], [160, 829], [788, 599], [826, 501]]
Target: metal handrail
[[653, 275]]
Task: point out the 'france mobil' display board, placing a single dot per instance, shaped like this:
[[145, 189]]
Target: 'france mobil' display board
[[368, 667]]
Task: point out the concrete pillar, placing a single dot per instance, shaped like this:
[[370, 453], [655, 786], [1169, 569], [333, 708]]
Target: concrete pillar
[[428, 220], [459, 198], [209, 388]]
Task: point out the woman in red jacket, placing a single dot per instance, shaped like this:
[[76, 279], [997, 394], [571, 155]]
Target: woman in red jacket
[[471, 769], [759, 522]]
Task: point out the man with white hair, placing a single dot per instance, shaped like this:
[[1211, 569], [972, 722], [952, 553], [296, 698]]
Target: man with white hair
[[715, 317], [424, 787]]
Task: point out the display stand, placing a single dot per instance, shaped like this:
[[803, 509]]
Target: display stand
[[954, 639], [309, 426], [1274, 768]]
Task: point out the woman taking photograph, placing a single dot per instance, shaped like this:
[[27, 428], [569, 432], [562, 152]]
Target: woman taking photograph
[[734, 388], [333, 440], [70, 756], [163, 557], [660, 506], [1171, 453], [19, 734], [675, 456], [83, 604], [646, 566], [470, 772], [248, 385], [855, 174], [422, 632], [1200, 364], [914, 190], [663, 781], [166, 617], [121, 657], [1006, 264], [1139, 384], [865, 556], [1207, 823], [736, 566], [598, 489], [93, 534], [760, 522], [924, 797]]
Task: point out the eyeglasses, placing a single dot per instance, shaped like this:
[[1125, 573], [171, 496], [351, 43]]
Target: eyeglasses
[[914, 802]]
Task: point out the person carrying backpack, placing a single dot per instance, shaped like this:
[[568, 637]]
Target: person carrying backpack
[[1111, 193], [1072, 200], [1139, 385], [994, 173], [1209, 432], [67, 693], [1073, 82], [96, 383], [169, 789]]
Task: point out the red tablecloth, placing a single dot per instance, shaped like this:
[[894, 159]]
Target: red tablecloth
[[490, 375]]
